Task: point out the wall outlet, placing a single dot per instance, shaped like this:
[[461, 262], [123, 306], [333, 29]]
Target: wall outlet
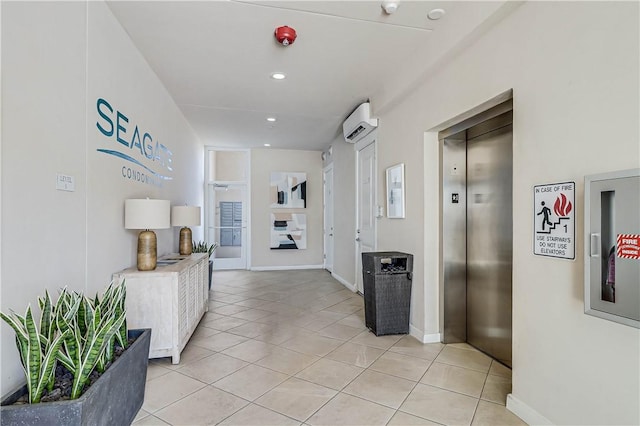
[[65, 183]]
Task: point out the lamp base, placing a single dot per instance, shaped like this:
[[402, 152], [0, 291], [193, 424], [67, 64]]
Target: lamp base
[[186, 246], [147, 251]]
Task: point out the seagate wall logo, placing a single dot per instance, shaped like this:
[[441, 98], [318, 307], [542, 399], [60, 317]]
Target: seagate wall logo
[[133, 145]]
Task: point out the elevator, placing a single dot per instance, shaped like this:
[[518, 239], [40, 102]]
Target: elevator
[[477, 231]]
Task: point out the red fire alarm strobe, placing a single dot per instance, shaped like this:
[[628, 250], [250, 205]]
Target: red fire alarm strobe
[[285, 35]]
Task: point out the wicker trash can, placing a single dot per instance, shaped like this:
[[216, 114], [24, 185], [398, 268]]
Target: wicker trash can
[[387, 291]]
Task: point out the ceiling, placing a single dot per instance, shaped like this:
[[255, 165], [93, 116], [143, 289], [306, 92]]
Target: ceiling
[[216, 59]]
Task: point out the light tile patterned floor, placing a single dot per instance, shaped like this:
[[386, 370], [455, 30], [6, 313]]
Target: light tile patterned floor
[[291, 348]]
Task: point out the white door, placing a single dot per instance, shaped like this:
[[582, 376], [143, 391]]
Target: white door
[[228, 225], [328, 218], [366, 217]]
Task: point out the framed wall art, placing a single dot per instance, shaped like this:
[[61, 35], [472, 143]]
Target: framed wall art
[[288, 231], [395, 191], [288, 190]]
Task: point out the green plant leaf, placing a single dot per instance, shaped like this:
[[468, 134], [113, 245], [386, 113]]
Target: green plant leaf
[[21, 335], [82, 317], [46, 315], [24, 353], [47, 367], [120, 309], [34, 358], [91, 353], [17, 326], [68, 356]]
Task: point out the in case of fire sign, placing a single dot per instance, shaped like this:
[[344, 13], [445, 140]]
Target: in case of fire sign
[[554, 220]]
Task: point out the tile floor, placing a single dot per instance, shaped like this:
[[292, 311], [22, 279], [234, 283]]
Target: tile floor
[[291, 348]]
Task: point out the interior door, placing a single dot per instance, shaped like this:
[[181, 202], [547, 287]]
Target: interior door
[[328, 218], [228, 226], [489, 240], [366, 217]]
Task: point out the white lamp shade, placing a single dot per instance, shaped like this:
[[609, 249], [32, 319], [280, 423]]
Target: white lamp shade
[[146, 214], [185, 216]]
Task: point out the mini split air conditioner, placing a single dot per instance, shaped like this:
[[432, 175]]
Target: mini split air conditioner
[[359, 123]]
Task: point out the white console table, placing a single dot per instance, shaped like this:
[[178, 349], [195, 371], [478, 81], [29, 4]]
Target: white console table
[[170, 300]]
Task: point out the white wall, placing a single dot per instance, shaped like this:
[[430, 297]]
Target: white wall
[[43, 132], [118, 73], [263, 162], [574, 68], [51, 77]]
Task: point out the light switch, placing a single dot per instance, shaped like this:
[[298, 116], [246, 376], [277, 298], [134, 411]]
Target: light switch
[[65, 183]]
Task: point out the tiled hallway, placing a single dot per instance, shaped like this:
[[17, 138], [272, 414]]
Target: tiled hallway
[[291, 348]]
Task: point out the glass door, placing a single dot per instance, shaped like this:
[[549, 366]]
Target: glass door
[[228, 225], [227, 207]]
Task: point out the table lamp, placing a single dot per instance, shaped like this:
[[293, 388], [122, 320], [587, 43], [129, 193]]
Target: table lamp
[[185, 216], [146, 214]]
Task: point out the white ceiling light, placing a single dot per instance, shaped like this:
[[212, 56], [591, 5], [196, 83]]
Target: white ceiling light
[[267, 144], [278, 76], [435, 14], [271, 119]]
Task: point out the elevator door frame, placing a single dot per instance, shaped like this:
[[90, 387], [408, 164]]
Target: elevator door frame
[[453, 202]]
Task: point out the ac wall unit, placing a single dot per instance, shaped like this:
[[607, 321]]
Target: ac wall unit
[[359, 124]]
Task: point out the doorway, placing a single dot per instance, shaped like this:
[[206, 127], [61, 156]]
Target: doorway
[[227, 207], [477, 227], [366, 188], [228, 225], [328, 217]]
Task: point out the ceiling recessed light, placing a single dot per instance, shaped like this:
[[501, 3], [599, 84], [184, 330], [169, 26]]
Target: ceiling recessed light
[[278, 76], [271, 119], [435, 14], [267, 144]]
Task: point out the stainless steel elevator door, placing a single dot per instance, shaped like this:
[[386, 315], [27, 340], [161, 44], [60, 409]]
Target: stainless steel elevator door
[[489, 239]]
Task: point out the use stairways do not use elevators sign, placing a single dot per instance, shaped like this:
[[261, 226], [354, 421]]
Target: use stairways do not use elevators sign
[[554, 220]]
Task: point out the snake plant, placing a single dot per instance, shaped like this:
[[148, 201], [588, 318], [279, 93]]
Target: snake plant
[[113, 301], [77, 331], [203, 247], [38, 359], [47, 329], [81, 352]]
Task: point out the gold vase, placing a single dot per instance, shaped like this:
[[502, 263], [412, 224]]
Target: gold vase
[[147, 251], [185, 241]]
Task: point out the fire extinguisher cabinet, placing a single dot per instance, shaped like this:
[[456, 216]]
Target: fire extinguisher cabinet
[[387, 291]]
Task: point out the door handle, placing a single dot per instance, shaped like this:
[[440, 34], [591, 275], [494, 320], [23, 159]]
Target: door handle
[[594, 250], [357, 238], [331, 235]]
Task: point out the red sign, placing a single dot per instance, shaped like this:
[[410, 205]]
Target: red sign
[[628, 246]]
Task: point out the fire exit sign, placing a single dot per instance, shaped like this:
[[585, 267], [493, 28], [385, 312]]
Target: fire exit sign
[[554, 220]]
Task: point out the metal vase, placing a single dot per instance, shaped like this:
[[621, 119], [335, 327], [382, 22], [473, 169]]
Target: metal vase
[[186, 245], [147, 251]]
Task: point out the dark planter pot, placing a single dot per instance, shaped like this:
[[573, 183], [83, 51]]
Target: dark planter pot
[[210, 272], [114, 399]]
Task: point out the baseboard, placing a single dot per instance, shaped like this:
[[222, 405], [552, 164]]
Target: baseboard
[[526, 413], [432, 338], [285, 268], [344, 282], [424, 338]]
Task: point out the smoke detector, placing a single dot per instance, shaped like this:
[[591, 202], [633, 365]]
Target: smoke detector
[[435, 14], [389, 6], [285, 35]]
